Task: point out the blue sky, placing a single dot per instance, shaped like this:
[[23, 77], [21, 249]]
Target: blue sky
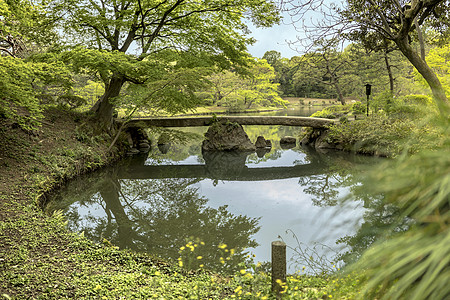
[[274, 38], [277, 37]]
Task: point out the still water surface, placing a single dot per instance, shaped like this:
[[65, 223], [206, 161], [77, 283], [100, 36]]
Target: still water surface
[[158, 202]]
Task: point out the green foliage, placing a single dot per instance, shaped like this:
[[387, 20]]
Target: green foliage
[[237, 91], [412, 264], [437, 58], [385, 135], [418, 100], [381, 101], [165, 81], [23, 83], [174, 44], [18, 22], [333, 111], [90, 91], [358, 108]]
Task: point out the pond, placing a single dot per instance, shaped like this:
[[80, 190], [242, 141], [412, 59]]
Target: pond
[[218, 209]]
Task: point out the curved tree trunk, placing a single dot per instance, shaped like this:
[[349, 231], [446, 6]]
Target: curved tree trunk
[[104, 109], [339, 92], [334, 81], [427, 73]]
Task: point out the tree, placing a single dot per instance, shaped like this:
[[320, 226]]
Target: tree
[[134, 35], [222, 84], [255, 87], [329, 66], [19, 20], [307, 80], [259, 86], [282, 71], [23, 86], [394, 21]]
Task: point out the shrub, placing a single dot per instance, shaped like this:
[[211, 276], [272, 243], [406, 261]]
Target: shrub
[[382, 101], [332, 112], [413, 264], [358, 108], [417, 99], [384, 135]]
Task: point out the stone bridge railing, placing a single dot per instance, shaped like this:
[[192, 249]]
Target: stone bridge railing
[[243, 120]]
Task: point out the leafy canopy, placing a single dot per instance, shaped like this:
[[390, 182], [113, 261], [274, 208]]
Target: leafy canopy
[[22, 86], [159, 45]]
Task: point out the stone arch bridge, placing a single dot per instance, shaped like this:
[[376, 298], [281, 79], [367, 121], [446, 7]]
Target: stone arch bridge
[[242, 120]]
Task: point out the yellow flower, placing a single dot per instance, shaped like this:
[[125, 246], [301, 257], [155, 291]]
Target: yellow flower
[[157, 273], [232, 251], [98, 287], [238, 289], [202, 265], [222, 246], [182, 248], [199, 257], [243, 271]]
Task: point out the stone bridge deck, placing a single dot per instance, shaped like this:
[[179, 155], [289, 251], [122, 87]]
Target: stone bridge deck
[[243, 120]]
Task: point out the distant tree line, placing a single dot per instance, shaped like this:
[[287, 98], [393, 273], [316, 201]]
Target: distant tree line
[[333, 74]]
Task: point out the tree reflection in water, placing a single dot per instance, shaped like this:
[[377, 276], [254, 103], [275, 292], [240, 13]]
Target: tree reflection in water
[[158, 216]]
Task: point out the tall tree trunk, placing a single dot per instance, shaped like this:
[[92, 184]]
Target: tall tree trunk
[[339, 92], [427, 73], [334, 81], [104, 109], [389, 71]]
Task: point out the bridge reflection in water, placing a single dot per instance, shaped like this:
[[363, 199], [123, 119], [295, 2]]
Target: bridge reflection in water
[[221, 166]]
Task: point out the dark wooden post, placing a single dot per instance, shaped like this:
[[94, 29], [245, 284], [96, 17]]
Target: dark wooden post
[[368, 91], [278, 266]]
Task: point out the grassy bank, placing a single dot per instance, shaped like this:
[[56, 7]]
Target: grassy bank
[[41, 259], [399, 128]]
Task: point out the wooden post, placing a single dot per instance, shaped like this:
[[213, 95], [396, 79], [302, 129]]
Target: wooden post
[[278, 266]]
